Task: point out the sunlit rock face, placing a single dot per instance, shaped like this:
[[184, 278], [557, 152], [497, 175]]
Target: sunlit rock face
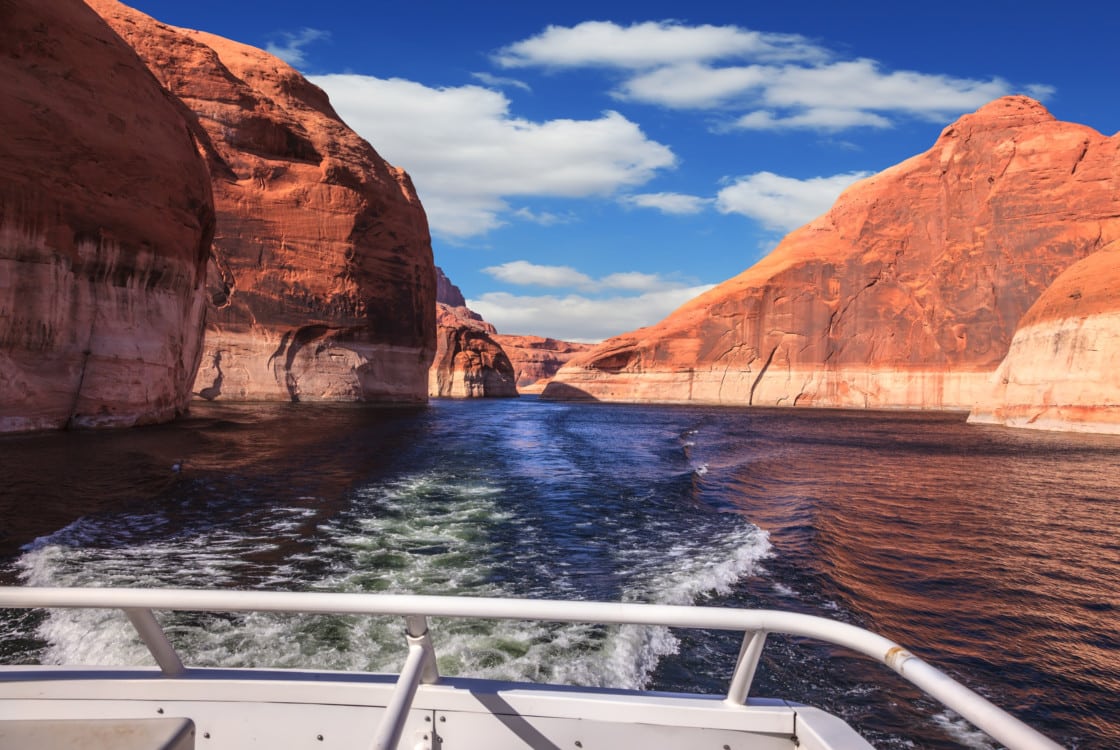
[[1063, 369], [106, 219], [469, 362], [537, 359], [321, 283], [904, 295]]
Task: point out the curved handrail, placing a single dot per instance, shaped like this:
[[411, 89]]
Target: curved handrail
[[993, 720]]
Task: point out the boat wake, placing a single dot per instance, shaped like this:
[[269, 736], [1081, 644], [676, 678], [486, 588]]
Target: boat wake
[[431, 533]]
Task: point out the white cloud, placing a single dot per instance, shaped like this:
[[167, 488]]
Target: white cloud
[[467, 153], [650, 44], [499, 82], [821, 118], [1040, 91], [824, 96], [636, 281], [861, 85], [291, 50], [579, 318], [544, 218], [783, 203], [694, 86], [525, 273], [762, 80], [670, 203]]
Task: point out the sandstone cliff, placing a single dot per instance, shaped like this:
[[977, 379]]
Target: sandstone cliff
[[905, 294], [469, 363], [537, 359], [1063, 369], [106, 218], [321, 283]]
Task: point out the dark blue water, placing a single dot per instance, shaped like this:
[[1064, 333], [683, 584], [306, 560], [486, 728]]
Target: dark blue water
[[992, 553]]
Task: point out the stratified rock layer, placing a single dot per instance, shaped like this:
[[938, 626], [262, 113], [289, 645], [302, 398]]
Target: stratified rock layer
[[1063, 369], [469, 363], [537, 359], [106, 218], [321, 283], [904, 295]]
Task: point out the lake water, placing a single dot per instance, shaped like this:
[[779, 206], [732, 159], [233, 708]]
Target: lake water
[[990, 552]]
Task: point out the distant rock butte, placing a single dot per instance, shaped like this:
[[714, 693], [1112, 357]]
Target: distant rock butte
[[469, 363], [1063, 369], [106, 218], [321, 284], [537, 359], [904, 295], [533, 359]]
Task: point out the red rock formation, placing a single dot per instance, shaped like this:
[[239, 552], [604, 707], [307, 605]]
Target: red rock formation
[[536, 360], [469, 363], [1063, 369], [905, 294], [106, 218], [450, 296], [321, 281]]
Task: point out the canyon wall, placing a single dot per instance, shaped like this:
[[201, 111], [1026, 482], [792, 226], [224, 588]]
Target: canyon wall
[[537, 359], [106, 220], [469, 362], [1063, 369], [321, 284], [905, 294]]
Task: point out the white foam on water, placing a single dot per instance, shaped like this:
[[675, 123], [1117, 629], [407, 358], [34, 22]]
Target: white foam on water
[[430, 534], [782, 589], [961, 731]]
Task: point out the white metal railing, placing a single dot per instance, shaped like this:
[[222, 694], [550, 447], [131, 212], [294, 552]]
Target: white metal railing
[[420, 663]]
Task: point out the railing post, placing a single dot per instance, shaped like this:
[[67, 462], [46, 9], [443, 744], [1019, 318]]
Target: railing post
[[741, 679], [156, 640], [419, 666], [416, 632]]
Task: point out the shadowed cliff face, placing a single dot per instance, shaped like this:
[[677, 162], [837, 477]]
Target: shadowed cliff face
[[905, 294], [469, 363], [321, 283], [106, 219], [1063, 369]]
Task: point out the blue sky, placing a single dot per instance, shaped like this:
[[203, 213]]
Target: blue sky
[[589, 166]]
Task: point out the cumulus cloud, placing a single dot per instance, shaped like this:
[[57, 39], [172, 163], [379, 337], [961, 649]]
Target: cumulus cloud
[[290, 50], [819, 118], [678, 204], [762, 80], [467, 154], [691, 85], [576, 317], [648, 44], [783, 203], [544, 218], [526, 273], [499, 82]]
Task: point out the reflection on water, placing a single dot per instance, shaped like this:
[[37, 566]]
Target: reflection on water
[[993, 553]]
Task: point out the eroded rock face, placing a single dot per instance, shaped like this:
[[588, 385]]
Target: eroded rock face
[[469, 363], [1063, 369], [904, 295], [321, 283], [537, 359], [106, 218]]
